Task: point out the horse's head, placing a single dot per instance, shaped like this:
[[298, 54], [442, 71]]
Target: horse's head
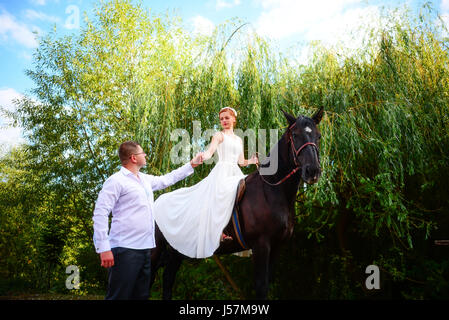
[[303, 142]]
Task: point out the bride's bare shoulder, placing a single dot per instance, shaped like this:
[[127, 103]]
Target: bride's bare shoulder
[[218, 136]]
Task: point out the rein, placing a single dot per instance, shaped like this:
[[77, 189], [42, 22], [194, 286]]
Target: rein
[[295, 153]]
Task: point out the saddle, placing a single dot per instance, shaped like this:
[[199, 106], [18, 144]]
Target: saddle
[[235, 213], [240, 191]]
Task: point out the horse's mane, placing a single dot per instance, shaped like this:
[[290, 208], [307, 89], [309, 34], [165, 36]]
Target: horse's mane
[[266, 162]]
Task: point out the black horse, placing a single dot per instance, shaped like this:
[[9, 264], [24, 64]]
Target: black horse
[[267, 208]]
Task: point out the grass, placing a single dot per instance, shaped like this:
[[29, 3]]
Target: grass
[[50, 296]]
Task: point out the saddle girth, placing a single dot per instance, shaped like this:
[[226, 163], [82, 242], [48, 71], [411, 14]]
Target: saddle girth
[[235, 214]]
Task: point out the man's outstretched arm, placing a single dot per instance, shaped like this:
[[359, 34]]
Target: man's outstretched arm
[[162, 182]]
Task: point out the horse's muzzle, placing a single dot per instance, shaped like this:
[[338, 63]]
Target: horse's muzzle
[[311, 174]]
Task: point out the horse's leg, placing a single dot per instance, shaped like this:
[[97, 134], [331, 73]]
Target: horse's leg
[[261, 260], [155, 263], [156, 254], [274, 255], [171, 268]]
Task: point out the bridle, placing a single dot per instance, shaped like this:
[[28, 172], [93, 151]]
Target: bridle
[[295, 153]]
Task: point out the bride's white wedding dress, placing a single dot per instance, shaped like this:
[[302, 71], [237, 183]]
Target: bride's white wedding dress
[[192, 219]]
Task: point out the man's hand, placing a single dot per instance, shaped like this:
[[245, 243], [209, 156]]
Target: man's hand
[[107, 259], [197, 160]]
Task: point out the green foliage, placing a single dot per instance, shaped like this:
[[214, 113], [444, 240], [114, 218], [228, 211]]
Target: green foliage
[[129, 74], [385, 135]]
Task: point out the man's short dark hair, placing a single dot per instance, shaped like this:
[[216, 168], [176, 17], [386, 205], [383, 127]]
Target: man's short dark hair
[[126, 149]]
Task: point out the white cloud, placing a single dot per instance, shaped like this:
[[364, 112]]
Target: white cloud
[[9, 136], [444, 16], [347, 27], [444, 5], [45, 2], [202, 25], [19, 32], [39, 2], [26, 55], [7, 95], [283, 18], [34, 15], [223, 4], [335, 23]]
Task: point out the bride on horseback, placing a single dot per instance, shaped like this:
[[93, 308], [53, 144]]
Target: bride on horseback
[[192, 219]]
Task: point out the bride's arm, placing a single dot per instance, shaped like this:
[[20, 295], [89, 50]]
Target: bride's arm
[[216, 140], [243, 162]]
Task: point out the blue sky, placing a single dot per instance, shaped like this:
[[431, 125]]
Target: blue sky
[[285, 22]]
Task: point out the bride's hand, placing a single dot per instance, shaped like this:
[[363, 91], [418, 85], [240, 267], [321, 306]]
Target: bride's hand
[[254, 159], [197, 160]]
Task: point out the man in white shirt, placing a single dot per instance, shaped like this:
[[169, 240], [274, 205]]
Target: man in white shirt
[[128, 194]]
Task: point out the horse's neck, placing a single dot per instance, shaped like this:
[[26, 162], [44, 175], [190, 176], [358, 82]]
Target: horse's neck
[[291, 187], [280, 154]]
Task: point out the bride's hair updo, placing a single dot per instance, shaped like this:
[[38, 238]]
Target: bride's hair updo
[[229, 109]]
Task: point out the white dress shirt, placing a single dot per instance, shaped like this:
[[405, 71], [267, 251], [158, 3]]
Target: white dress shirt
[[131, 202]]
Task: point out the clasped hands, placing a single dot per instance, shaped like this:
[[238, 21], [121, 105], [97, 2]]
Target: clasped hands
[[197, 160], [200, 158]]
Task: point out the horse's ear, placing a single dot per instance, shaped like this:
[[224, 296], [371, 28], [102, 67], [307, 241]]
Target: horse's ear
[[291, 119], [318, 116]]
